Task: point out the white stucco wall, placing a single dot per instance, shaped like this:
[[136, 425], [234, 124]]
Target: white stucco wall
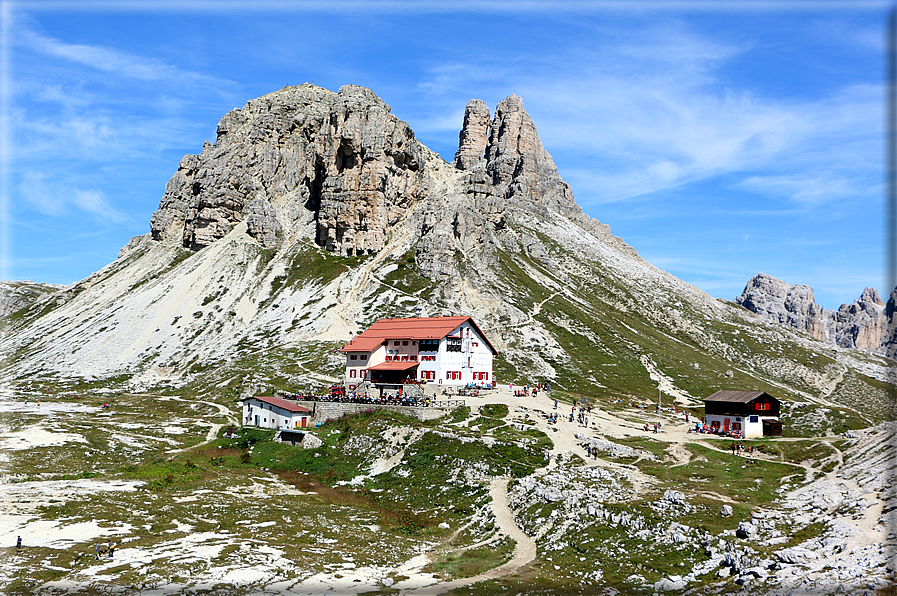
[[270, 416]]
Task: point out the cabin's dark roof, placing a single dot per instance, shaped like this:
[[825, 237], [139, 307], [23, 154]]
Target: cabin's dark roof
[[736, 396]]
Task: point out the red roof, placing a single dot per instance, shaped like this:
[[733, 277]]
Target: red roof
[[419, 328], [287, 405], [394, 365]]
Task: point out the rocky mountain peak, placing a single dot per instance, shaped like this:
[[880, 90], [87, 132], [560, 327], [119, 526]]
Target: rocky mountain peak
[[871, 295], [505, 159], [474, 136], [337, 167], [865, 324], [781, 302]]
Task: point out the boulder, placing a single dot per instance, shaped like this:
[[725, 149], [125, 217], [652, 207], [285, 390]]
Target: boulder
[[746, 530], [311, 441]]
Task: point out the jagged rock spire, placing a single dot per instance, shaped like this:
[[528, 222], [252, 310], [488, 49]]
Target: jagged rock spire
[[474, 136], [512, 160]]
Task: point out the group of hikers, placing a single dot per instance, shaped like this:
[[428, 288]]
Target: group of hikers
[[740, 449], [581, 414], [656, 427], [528, 389], [105, 548], [702, 428], [394, 399]]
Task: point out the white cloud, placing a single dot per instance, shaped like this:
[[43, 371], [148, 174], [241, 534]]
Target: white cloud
[[644, 110], [54, 200], [107, 60], [93, 201], [37, 192], [810, 191]]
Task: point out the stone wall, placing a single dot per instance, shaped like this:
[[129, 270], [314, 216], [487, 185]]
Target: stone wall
[[326, 410]]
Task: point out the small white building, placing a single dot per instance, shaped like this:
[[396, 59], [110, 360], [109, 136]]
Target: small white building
[[750, 413], [436, 350], [273, 412]]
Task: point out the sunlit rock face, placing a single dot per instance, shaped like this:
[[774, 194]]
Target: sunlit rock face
[[298, 156], [865, 324]]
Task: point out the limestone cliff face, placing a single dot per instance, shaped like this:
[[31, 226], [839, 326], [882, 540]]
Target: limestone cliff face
[[507, 154], [474, 136], [781, 302], [503, 175], [298, 157], [517, 163], [865, 324], [340, 170]]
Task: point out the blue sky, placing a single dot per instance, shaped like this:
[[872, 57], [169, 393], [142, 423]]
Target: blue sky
[[719, 139]]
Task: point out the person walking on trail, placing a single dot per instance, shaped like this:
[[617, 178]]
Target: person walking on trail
[[555, 404], [733, 446], [19, 544]]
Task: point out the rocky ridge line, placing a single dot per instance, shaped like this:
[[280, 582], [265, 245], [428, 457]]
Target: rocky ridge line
[[867, 324]]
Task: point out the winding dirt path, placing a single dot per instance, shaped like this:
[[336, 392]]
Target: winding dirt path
[[524, 551], [213, 427]]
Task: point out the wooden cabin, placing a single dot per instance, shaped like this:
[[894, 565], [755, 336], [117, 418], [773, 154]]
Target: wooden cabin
[[751, 413]]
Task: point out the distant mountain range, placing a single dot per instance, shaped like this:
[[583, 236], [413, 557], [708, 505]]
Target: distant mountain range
[[866, 324], [315, 213]]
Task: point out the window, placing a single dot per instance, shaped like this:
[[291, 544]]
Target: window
[[428, 345], [352, 373], [353, 357], [475, 344], [405, 343], [761, 406], [453, 345], [363, 357], [755, 419], [395, 343], [389, 358], [487, 376], [448, 374]]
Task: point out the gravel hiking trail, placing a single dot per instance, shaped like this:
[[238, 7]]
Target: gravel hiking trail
[[524, 551]]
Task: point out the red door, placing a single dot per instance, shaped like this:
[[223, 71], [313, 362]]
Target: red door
[[725, 425]]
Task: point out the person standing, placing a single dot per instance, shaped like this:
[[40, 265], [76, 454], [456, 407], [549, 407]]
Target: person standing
[[19, 544]]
